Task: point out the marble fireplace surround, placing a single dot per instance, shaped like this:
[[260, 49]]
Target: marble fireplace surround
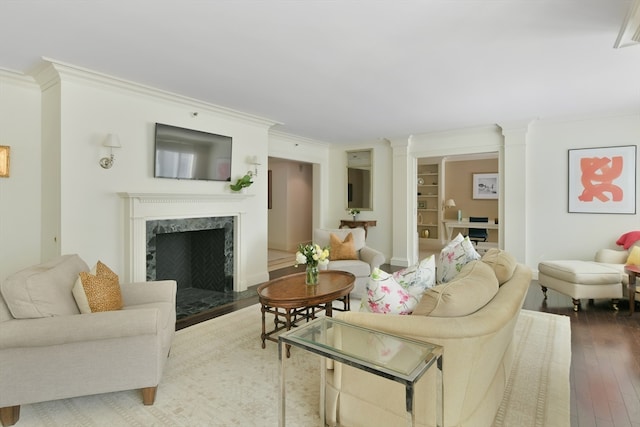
[[142, 207]]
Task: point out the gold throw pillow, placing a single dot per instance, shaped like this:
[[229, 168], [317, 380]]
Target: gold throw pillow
[[342, 249], [102, 289]]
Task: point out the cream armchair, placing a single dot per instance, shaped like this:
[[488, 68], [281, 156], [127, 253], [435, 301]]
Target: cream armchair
[[368, 258], [63, 353]]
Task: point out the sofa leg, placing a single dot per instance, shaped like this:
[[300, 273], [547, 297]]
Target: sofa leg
[[576, 304], [9, 415], [614, 303], [544, 291], [149, 395]]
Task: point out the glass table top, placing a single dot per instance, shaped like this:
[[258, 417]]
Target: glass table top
[[398, 358]]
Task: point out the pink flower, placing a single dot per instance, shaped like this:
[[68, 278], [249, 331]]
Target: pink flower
[[385, 289]]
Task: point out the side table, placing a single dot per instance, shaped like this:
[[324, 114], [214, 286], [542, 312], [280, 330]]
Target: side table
[[358, 224], [349, 344]]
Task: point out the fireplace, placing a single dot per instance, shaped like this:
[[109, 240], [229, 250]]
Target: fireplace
[[149, 215], [198, 254]]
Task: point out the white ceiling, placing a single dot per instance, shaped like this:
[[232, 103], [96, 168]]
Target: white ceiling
[[347, 70]]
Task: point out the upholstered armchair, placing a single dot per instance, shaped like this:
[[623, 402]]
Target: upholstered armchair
[[365, 261], [49, 350]]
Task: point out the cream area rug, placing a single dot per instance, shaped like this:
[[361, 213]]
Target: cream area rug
[[218, 375]]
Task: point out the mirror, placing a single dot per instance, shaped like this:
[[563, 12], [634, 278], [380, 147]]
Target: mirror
[[359, 179]]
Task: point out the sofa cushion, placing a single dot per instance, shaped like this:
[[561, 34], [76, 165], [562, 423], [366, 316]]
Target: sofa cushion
[[342, 249], [44, 290], [502, 263], [634, 256], [98, 290], [468, 292], [454, 256]]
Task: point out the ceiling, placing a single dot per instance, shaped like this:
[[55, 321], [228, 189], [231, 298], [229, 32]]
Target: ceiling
[[346, 71]]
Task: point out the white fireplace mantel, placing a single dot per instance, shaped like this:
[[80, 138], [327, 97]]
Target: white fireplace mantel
[[142, 207]]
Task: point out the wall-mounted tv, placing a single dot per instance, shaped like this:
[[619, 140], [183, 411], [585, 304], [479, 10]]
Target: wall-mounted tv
[[190, 154]]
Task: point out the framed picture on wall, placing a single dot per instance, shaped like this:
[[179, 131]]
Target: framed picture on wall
[[602, 180], [485, 186]]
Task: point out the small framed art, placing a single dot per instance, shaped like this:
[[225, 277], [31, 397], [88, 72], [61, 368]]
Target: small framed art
[[4, 161], [485, 186]]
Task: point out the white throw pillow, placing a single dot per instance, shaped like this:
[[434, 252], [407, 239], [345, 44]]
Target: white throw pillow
[[454, 256]]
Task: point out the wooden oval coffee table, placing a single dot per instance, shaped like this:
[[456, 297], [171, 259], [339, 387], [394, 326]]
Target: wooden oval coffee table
[[290, 298]]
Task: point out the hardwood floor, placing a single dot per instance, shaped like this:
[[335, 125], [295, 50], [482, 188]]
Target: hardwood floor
[[605, 360]]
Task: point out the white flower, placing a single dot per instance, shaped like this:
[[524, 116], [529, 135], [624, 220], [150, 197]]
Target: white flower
[[300, 258]]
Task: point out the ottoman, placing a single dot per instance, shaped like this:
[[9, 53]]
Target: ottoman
[[580, 279]]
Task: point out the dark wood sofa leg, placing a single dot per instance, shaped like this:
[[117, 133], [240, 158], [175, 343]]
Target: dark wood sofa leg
[[149, 395], [9, 415]]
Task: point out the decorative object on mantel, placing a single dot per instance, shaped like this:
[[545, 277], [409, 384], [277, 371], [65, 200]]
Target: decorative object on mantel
[[4, 161], [353, 212], [312, 255], [243, 182]]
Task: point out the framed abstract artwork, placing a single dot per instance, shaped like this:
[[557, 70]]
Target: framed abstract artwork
[[603, 180], [485, 186]]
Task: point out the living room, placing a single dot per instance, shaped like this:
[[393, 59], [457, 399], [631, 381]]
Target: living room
[[57, 199]]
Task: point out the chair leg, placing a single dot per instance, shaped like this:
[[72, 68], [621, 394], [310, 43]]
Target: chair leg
[[9, 415], [149, 395], [576, 304], [614, 304], [544, 291]]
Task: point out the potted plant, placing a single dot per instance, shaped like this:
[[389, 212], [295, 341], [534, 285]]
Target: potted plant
[[242, 182]]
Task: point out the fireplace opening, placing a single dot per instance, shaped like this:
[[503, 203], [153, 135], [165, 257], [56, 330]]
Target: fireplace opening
[[198, 254]]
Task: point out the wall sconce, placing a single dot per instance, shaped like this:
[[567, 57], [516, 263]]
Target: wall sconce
[[448, 204], [4, 161], [254, 161], [112, 141]]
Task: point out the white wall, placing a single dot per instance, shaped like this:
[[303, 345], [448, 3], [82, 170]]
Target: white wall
[[553, 233], [20, 193]]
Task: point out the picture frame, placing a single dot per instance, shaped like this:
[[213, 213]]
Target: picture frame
[[602, 180], [4, 161], [485, 186]]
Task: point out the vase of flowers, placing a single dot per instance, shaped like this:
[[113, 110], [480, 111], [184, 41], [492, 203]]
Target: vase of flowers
[[353, 212], [312, 255]]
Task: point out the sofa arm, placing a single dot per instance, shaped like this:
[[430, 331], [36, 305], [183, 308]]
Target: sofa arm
[[611, 256], [139, 293], [58, 330], [372, 257]]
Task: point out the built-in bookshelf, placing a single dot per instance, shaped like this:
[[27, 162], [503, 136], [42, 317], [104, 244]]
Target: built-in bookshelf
[[428, 201]]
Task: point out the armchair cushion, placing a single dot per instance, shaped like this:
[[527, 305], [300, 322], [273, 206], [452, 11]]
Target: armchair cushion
[[342, 249], [44, 290]]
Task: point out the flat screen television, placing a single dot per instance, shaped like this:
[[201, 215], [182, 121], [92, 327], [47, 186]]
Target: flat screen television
[[190, 154]]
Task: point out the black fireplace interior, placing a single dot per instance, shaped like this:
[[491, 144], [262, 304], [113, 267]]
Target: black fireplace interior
[[198, 254]]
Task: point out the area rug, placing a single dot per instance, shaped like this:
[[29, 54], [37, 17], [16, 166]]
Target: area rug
[[218, 375]]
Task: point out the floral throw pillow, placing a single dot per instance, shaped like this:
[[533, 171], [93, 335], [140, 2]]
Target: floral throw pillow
[[400, 292], [454, 256]]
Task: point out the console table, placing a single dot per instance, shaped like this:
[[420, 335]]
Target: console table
[[450, 224], [355, 224]]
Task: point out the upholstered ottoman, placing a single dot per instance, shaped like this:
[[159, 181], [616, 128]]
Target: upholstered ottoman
[[580, 279]]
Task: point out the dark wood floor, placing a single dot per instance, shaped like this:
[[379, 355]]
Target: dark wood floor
[[605, 360]]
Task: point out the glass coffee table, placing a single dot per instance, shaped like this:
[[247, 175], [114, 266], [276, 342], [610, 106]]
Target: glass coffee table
[[366, 349]]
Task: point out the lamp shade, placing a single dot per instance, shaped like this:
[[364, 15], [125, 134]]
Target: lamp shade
[[112, 141], [450, 203]]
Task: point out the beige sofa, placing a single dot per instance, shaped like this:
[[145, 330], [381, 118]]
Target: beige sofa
[[478, 356], [48, 350], [368, 258]]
